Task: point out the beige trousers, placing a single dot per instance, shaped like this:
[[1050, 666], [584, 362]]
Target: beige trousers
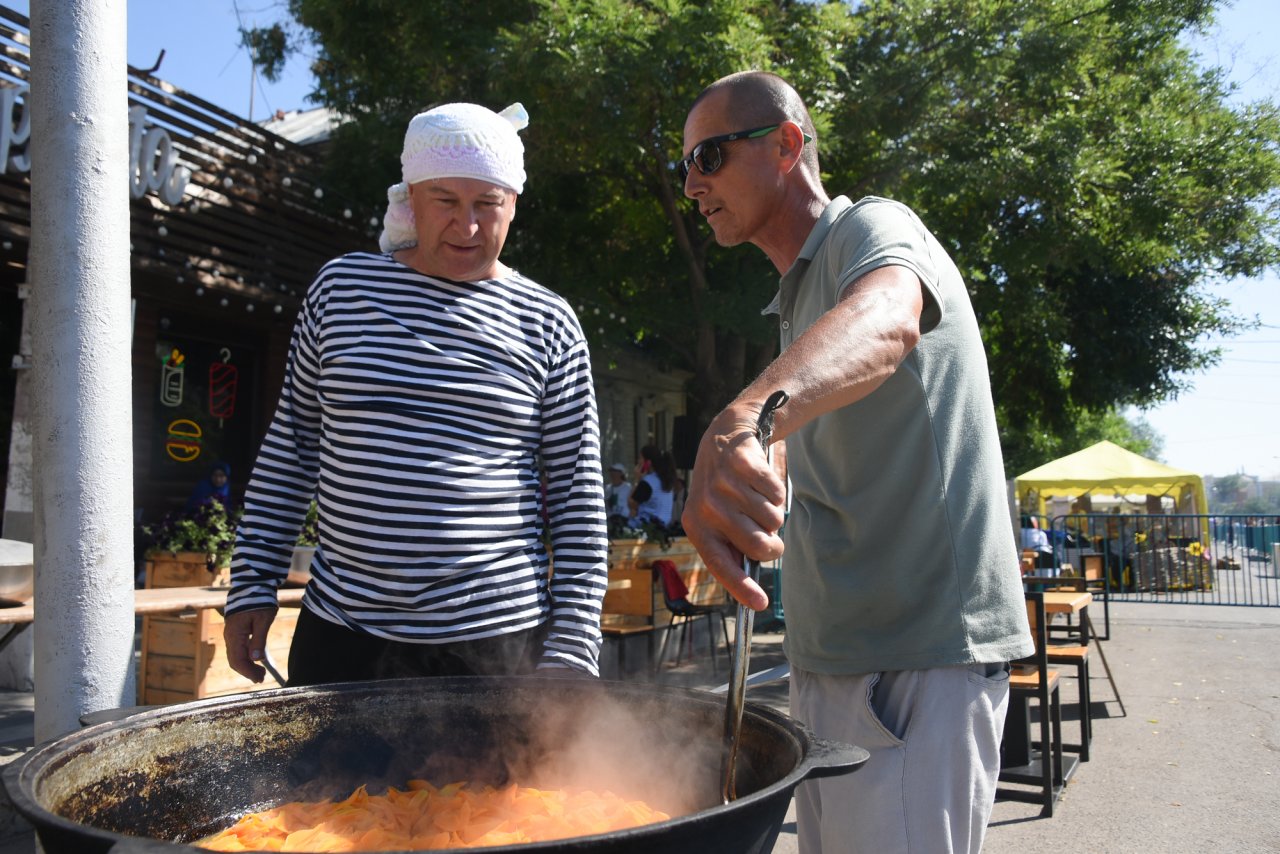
[[934, 740]]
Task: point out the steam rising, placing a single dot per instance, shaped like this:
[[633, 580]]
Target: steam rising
[[553, 734], [643, 751]]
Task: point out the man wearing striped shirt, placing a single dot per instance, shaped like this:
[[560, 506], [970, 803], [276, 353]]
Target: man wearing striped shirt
[[428, 389]]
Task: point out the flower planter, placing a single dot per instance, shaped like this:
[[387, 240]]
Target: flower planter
[[184, 569], [184, 657], [1170, 569], [300, 569]]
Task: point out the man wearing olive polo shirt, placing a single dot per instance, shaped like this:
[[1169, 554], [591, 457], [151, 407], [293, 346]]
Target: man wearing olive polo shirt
[[900, 575]]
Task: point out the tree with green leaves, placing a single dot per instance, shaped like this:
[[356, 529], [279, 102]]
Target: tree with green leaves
[[1089, 178]]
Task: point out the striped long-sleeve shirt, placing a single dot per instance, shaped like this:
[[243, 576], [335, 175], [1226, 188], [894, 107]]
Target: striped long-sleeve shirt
[[417, 411]]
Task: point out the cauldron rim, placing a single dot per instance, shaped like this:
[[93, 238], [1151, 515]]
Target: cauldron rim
[[21, 777]]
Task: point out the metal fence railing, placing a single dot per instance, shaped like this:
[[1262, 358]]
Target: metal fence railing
[[1197, 559]]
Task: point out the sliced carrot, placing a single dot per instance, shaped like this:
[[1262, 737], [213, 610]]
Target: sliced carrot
[[423, 817]]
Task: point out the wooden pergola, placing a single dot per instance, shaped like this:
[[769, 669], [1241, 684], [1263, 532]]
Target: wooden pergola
[[229, 224]]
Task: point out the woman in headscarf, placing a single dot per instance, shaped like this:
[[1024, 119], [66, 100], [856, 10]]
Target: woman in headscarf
[[217, 485]]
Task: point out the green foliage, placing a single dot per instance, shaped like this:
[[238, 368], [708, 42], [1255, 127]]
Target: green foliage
[[268, 48], [1033, 447], [309, 535], [1228, 492], [1091, 181], [1267, 505], [1240, 494], [607, 222], [211, 530], [650, 532]]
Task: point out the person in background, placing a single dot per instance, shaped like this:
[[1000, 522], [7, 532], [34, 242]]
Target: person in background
[[617, 493], [1036, 540], [1077, 527], [215, 486], [427, 388], [900, 577], [653, 495], [1119, 544]]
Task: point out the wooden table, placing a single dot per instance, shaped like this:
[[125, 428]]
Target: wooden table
[[164, 600], [1067, 602]]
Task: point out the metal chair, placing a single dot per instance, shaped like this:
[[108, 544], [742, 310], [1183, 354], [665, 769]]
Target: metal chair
[[684, 612], [1032, 678]]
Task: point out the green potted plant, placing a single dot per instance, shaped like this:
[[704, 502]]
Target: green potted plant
[[304, 549], [191, 548]]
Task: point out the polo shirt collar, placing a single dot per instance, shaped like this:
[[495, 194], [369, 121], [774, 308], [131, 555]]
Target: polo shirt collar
[[821, 229], [816, 237]]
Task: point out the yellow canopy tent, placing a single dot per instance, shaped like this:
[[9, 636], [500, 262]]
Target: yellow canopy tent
[[1108, 469]]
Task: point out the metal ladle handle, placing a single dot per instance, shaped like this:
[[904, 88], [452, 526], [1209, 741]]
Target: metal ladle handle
[[742, 629]]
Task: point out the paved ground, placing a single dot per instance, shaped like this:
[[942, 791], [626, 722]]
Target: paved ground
[[1191, 767]]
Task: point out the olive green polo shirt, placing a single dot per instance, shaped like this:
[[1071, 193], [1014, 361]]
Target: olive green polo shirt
[[899, 548]]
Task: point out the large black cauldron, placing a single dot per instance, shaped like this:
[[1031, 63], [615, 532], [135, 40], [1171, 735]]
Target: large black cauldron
[[181, 772]]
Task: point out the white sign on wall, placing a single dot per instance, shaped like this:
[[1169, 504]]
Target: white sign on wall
[[153, 160]]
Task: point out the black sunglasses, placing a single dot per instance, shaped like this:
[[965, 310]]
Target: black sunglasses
[[708, 157]]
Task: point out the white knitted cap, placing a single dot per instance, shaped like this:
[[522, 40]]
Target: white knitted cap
[[466, 141], [454, 141]]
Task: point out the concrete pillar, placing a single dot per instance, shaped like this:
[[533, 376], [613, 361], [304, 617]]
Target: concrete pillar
[[81, 406]]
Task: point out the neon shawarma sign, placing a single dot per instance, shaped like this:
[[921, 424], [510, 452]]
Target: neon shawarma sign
[[153, 161]]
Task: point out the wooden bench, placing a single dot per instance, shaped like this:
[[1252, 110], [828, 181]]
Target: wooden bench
[[628, 609], [183, 656], [172, 600], [633, 604]]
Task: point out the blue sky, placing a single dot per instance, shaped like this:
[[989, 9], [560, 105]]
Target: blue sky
[[1229, 422]]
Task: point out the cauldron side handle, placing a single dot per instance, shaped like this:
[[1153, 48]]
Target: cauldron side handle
[[827, 758]]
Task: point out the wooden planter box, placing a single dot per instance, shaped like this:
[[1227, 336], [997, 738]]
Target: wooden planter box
[[184, 656], [184, 569]]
